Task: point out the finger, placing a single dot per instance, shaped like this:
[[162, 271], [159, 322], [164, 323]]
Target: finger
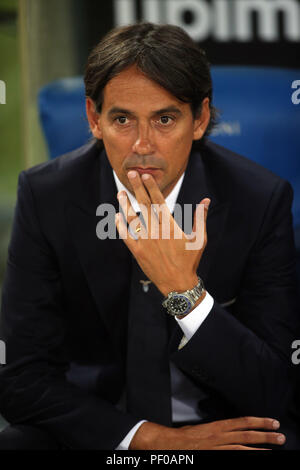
[[247, 422], [168, 226], [238, 447], [153, 189], [125, 205], [135, 225], [156, 198], [253, 437], [147, 208], [123, 232], [198, 235], [140, 192], [198, 215]]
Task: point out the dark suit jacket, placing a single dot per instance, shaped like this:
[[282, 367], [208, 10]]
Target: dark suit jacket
[[66, 294]]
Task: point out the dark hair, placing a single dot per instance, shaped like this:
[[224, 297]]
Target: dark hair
[[164, 53]]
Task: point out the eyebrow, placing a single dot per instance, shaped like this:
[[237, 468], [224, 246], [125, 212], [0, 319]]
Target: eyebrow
[[116, 110], [169, 109]]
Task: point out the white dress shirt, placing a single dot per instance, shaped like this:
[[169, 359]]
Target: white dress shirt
[[183, 408]]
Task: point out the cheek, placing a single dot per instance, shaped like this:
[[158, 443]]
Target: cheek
[[116, 140], [176, 146], [177, 152], [117, 149]]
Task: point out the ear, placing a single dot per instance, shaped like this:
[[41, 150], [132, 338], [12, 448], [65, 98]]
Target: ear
[[93, 118], [201, 122]]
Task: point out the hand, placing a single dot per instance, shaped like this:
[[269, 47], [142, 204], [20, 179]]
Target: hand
[[229, 434], [166, 261]]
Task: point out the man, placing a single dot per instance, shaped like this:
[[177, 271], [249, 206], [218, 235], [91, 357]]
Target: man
[[101, 353]]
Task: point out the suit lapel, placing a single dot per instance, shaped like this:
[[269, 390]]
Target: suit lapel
[[106, 263]]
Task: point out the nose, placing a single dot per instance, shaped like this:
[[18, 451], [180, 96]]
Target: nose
[[143, 144]]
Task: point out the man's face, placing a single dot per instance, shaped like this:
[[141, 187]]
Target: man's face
[[144, 127]]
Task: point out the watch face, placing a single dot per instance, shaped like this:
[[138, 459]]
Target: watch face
[[179, 304]]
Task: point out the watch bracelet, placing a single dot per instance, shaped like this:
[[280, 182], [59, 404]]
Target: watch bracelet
[[193, 294]]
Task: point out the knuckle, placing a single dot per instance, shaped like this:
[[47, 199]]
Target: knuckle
[[210, 437], [267, 437], [246, 436], [248, 421], [156, 200], [273, 436], [267, 423], [145, 201]]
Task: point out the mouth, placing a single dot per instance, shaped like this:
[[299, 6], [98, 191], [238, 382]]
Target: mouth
[[142, 170]]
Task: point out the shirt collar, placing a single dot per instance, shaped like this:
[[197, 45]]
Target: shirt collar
[[170, 199]]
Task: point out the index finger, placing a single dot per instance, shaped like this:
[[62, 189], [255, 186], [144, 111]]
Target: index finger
[[248, 422]]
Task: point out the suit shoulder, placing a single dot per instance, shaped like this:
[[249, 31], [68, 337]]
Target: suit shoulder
[[240, 171], [61, 170]]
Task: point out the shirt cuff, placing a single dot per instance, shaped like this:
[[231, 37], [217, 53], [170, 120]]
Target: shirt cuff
[[191, 322], [128, 438]]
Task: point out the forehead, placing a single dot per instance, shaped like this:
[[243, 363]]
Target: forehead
[[132, 89]]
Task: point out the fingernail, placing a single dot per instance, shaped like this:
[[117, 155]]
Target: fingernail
[[281, 438], [145, 176], [276, 424], [206, 204], [131, 174], [121, 194]]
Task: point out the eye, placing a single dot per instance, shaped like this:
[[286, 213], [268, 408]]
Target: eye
[[121, 120], [165, 120]]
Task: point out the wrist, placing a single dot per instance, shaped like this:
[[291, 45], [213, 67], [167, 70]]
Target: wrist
[[152, 436], [180, 303], [180, 285], [180, 317]]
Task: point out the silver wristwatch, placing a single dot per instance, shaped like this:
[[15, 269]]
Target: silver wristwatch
[[178, 304]]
